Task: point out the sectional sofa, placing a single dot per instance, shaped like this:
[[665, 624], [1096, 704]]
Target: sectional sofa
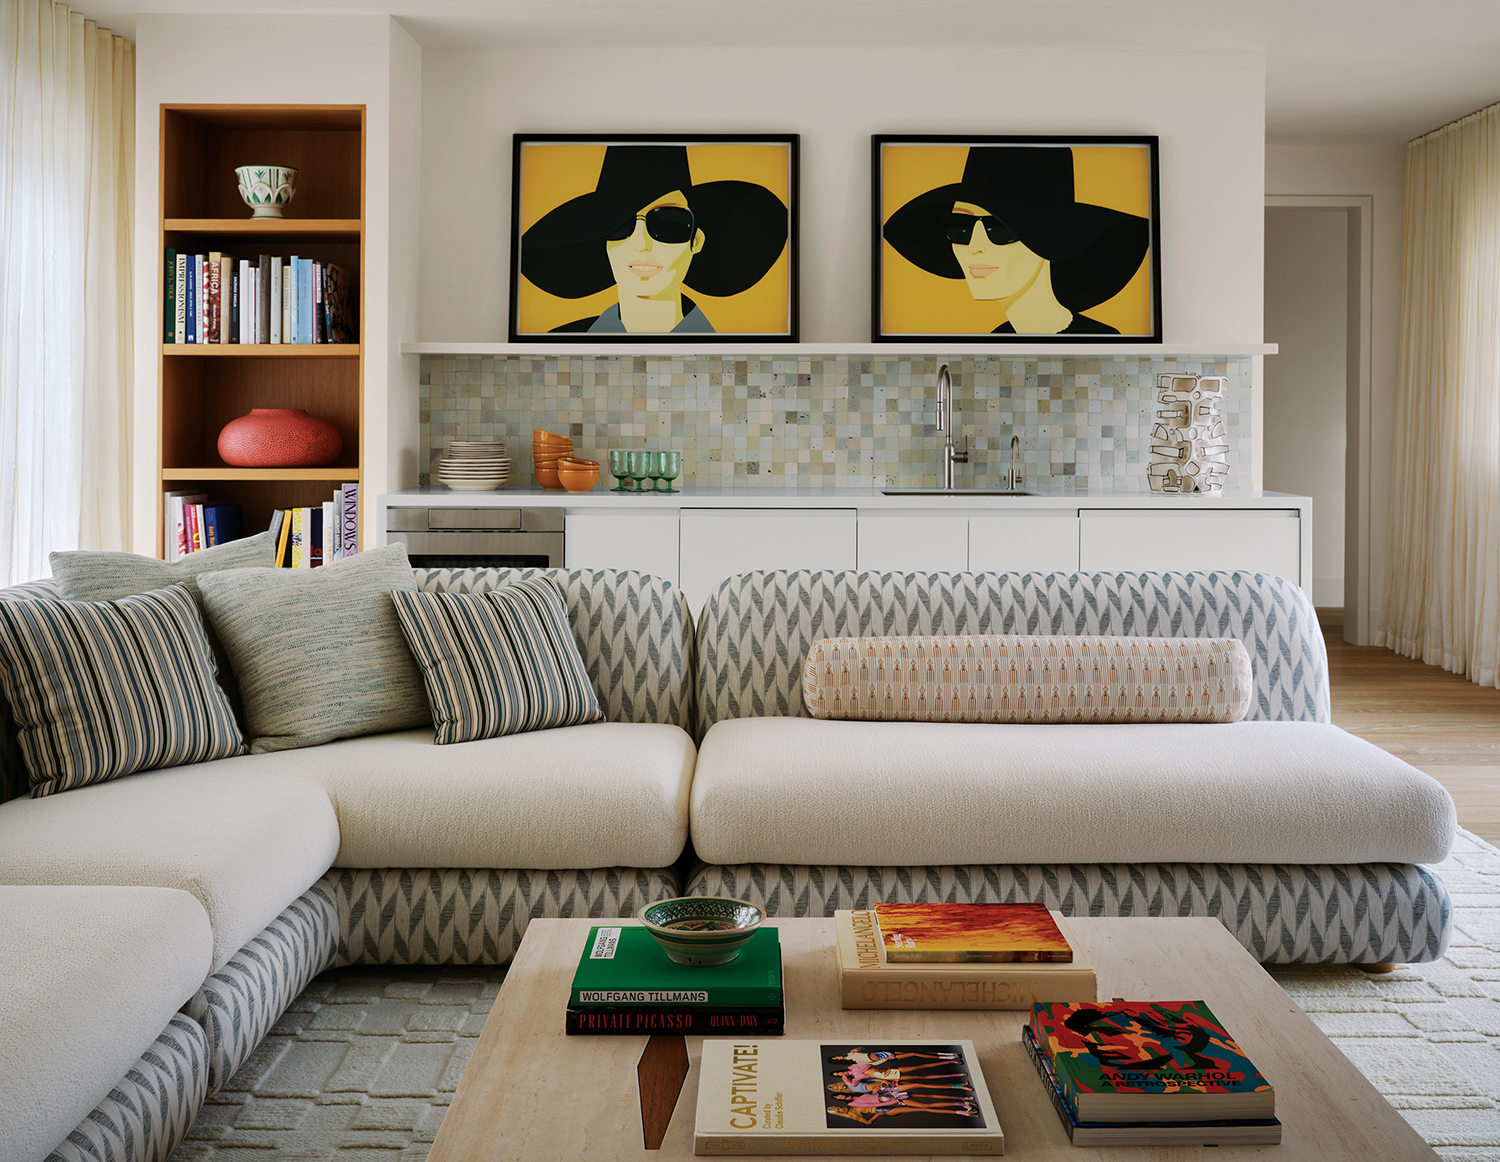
[[250, 875]]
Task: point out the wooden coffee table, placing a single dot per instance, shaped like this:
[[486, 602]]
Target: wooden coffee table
[[530, 1092]]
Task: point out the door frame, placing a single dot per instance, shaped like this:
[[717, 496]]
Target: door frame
[[1360, 209]]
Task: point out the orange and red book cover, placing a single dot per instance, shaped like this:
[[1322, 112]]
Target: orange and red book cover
[[971, 933]]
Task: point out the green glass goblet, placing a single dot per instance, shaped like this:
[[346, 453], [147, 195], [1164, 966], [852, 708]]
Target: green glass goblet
[[654, 464], [671, 469], [619, 468], [640, 469]]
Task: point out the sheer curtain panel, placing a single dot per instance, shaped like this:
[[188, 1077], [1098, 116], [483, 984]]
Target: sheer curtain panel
[[67, 163], [1443, 578]]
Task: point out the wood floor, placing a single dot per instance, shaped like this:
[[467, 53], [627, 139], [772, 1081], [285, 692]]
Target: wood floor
[[1439, 722]]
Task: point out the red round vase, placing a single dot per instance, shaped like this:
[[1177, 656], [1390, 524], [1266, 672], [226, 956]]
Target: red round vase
[[279, 438]]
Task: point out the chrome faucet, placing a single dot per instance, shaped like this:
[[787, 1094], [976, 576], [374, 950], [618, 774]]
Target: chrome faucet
[[951, 455], [1013, 478]]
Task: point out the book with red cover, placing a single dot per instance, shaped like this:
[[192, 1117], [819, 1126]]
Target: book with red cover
[[971, 933]]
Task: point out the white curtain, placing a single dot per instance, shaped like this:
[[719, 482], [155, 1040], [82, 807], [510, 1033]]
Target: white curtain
[[1444, 576], [67, 166]]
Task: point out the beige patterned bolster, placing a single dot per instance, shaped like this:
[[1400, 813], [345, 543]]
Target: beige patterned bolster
[[1024, 678]]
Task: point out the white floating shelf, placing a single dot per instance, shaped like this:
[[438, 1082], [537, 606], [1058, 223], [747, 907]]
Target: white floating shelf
[[806, 350]]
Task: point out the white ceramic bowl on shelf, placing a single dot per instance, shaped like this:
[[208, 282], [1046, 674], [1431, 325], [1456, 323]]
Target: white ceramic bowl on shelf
[[266, 188]]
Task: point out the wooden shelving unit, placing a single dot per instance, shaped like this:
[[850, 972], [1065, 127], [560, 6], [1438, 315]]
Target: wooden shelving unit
[[201, 387]]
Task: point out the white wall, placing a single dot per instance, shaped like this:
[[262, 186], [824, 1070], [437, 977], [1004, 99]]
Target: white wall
[[351, 60], [1379, 172], [1212, 155], [1307, 269]]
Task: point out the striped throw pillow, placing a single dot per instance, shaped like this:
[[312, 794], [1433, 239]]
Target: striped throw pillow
[[101, 689], [499, 662]]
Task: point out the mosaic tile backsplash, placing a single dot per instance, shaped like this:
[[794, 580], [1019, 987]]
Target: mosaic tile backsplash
[[825, 421]]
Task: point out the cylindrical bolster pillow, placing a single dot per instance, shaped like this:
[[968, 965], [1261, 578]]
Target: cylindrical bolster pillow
[[1024, 678]]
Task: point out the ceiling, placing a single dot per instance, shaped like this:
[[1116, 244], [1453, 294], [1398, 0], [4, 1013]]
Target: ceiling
[[1345, 70]]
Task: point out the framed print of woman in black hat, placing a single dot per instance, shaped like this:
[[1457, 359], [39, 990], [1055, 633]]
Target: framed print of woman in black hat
[[1007, 239], [653, 239]]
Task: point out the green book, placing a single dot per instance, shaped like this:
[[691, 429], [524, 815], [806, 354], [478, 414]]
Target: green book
[[626, 966]]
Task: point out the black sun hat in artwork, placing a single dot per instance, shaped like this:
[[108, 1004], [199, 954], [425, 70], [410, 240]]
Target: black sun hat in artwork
[[744, 225], [1094, 250]]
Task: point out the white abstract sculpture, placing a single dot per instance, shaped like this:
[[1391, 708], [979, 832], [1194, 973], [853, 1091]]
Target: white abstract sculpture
[[1188, 450]]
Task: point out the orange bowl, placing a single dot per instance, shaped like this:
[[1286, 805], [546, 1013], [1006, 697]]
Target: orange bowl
[[578, 479], [540, 437], [577, 462], [547, 478]]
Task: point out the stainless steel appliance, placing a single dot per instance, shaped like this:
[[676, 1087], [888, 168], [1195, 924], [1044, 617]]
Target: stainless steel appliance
[[478, 538]]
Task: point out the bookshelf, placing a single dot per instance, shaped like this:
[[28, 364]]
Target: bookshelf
[[201, 387]]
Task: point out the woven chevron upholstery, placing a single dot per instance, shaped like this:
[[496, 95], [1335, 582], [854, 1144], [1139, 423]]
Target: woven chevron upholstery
[[238, 1004], [632, 629], [459, 916], [149, 1112], [1283, 914], [756, 628]]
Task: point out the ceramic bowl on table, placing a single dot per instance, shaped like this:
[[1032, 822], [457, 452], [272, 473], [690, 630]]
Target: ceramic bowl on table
[[547, 478], [266, 188], [540, 437], [701, 931]]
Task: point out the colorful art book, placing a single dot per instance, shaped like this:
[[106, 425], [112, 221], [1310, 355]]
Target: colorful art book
[[1159, 1061], [823, 1097], [868, 980], [971, 933], [626, 966], [1264, 1132]]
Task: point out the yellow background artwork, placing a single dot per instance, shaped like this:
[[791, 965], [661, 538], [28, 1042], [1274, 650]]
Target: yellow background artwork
[[918, 303], [554, 173]]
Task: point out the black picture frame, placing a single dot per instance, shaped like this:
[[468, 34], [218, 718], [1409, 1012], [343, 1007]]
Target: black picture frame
[[882, 250], [521, 285]]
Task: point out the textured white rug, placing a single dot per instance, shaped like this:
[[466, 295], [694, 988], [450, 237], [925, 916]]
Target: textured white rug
[[362, 1066]]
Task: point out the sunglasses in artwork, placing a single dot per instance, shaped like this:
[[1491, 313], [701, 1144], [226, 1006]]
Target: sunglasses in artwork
[[961, 229], [663, 223]]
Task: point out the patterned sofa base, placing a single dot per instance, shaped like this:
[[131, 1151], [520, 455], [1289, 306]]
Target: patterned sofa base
[[1284, 914]]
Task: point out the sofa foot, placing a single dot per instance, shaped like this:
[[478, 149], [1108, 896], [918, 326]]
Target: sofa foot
[[1383, 966]]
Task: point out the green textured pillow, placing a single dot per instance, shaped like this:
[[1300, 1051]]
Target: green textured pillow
[[499, 662], [101, 689], [88, 575], [319, 653]]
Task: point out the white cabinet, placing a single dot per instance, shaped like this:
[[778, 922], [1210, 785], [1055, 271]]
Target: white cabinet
[[646, 541], [720, 542], [1043, 541], [1138, 540], [913, 542]]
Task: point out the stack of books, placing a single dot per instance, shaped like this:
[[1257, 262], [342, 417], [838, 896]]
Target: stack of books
[[318, 535], [195, 523], [218, 298], [838, 1097], [958, 956], [626, 984], [1149, 1073]]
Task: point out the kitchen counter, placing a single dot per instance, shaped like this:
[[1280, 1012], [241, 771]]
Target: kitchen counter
[[602, 499]]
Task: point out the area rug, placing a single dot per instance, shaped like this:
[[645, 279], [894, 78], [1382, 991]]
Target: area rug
[[363, 1065]]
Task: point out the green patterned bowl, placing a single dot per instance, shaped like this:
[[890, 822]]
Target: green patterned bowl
[[701, 930]]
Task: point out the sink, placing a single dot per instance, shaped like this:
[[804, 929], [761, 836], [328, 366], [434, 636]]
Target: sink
[[954, 492]]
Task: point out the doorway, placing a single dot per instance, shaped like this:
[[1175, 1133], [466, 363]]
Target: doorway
[[1316, 389]]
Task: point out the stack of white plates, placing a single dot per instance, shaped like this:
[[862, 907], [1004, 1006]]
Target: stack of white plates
[[474, 466]]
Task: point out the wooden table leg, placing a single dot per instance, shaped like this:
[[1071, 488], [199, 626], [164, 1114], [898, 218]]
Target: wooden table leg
[[662, 1069]]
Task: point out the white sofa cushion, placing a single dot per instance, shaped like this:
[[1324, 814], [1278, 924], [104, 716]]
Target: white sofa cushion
[[608, 794], [244, 840], [88, 978], [801, 791]]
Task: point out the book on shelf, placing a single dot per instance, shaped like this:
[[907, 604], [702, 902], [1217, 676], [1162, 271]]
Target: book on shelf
[[1243, 1132], [1156, 1061], [971, 933], [828, 1096], [869, 980], [224, 522], [176, 538], [179, 301], [317, 535], [626, 966], [169, 297], [349, 506]]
